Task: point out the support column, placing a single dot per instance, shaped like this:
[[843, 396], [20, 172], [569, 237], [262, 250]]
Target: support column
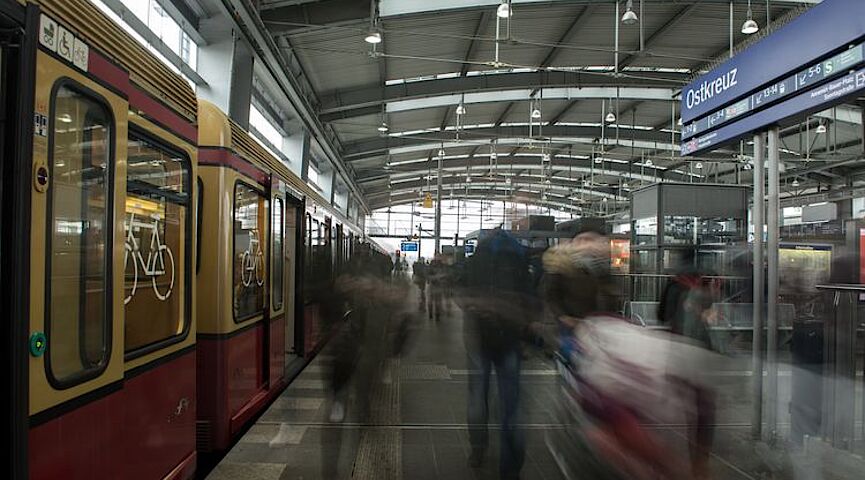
[[438, 225], [304, 156], [772, 245], [226, 64], [295, 146], [757, 344]]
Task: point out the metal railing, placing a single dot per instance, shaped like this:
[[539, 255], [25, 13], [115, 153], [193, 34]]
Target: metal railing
[[647, 287]]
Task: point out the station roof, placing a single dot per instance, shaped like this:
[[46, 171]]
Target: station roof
[[557, 56]]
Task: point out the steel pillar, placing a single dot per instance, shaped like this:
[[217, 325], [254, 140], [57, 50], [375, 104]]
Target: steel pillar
[[772, 245], [758, 209]]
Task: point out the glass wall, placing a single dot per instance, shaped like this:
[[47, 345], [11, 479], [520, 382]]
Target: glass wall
[[458, 217], [164, 28]]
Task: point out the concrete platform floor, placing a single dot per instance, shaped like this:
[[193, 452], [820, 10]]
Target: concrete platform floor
[[416, 424]]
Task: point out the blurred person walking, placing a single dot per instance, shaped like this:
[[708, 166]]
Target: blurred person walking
[[576, 283], [686, 307], [419, 276], [438, 277], [496, 298]]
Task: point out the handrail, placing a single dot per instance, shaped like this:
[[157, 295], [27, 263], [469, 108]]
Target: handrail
[[849, 287], [666, 275]]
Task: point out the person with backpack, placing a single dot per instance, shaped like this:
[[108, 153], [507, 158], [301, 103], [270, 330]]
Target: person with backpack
[[495, 295]]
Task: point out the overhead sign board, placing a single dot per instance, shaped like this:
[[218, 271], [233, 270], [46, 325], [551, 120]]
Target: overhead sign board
[[802, 80], [806, 102], [408, 246], [815, 34]]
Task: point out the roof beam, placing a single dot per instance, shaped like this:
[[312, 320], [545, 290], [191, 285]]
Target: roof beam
[[480, 28], [580, 20], [286, 18], [482, 194], [414, 7], [513, 164], [368, 100], [671, 24], [484, 136]]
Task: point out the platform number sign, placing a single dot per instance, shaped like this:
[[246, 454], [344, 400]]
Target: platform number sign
[[64, 43]]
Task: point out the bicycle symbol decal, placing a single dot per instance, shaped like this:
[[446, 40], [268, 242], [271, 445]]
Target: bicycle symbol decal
[[155, 264], [252, 262]]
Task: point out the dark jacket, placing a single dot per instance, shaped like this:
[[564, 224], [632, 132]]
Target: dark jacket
[[496, 292]]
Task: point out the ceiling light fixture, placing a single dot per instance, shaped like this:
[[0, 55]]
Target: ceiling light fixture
[[820, 129], [630, 18], [536, 113], [373, 37], [461, 109], [649, 163], [383, 128], [611, 117], [504, 10], [441, 153], [750, 26], [698, 166], [795, 182]]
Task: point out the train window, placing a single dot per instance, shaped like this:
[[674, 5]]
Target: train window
[[157, 227], [278, 234], [250, 215], [79, 237]]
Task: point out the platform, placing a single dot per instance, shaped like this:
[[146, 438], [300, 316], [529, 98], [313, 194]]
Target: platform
[[417, 426]]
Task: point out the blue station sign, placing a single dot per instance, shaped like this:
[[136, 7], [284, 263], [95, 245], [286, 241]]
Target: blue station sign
[[809, 64], [408, 246], [805, 102], [802, 80], [815, 34]]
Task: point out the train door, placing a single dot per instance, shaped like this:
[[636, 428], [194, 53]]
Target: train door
[[292, 261], [76, 262], [278, 287]]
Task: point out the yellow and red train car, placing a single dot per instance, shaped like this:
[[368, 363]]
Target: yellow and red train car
[[112, 304], [124, 198]]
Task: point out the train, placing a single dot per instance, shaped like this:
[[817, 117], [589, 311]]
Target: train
[[169, 267]]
